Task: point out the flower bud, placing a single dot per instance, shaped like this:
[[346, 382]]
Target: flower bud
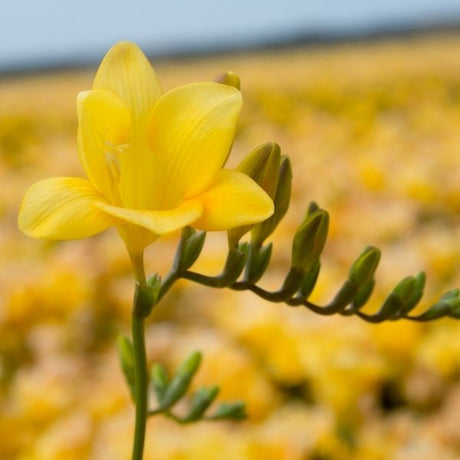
[[363, 293], [190, 246], [229, 78], [309, 240], [364, 267], [126, 356], [262, 165], [309, 280], [262, 231], [417, 294], [259, 261]]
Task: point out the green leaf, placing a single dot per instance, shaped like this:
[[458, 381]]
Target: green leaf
[[181, 381], [230, 411], [160, 381], [126, 356], [202, 399]]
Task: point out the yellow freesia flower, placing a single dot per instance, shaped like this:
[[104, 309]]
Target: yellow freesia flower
[[153, 160]]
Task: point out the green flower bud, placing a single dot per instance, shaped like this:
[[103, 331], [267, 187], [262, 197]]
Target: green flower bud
[[262, 231], [260, 258], [364, 267], [392, 305], [190, 246], [202, 399], [438, 310], [309, 240], [234, 265], [309, 280], [345, 296], [230, 411], [417, 294], [405, 289], [229, 78], [126, 356], [262, 165], [363, 293], [181, 381], [160, 381]]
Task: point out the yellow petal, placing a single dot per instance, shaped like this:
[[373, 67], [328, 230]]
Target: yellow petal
[[127, 72], [62, 208], [103, 132], [158, 222], [191, 131], [232, 201]]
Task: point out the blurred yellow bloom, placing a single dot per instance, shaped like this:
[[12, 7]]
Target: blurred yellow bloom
[[154, 161]]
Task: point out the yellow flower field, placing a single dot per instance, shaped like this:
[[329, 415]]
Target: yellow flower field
[[373, 132]]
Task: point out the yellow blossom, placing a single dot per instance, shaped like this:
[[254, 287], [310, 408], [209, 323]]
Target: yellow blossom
[[153, 160]]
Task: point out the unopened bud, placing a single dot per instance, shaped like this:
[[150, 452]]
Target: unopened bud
[[309, 280], [262, 231], [417, 294], [229, 78], [262, 165], [363, 293], [364, 267], [309, 239], [260, 259]]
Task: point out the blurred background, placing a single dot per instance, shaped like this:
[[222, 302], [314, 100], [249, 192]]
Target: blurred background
[[365, 99]]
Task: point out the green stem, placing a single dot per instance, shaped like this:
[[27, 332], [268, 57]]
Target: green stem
[[140, 372], [140, 358]]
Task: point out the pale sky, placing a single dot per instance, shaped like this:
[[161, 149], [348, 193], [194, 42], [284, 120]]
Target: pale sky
[[50, 31]]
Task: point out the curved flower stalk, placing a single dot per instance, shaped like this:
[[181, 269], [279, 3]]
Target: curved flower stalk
[[154, 161]]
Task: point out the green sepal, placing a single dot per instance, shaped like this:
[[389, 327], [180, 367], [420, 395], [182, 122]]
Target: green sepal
[[160, 381], [229, 78], [146, 296], [364, 267], [126, 356], [201, 400], [181, 380], [230, 411], [363, 293], [309, 240], [309, 280], [260, 258], [262, 231]]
